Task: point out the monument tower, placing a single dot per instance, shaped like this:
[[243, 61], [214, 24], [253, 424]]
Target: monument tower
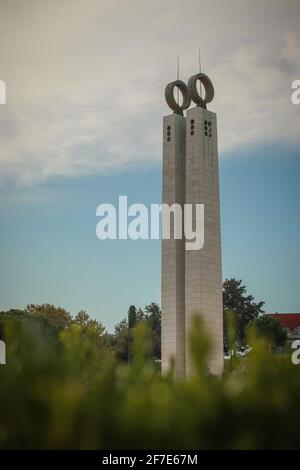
[[191, 279]]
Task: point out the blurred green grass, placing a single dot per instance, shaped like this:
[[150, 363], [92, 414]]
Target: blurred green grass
[[74, 394]]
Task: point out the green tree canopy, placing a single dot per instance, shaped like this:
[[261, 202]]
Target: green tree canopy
[[84, 320], [271, 329], [243, 306], [56, 316], [150, 316]]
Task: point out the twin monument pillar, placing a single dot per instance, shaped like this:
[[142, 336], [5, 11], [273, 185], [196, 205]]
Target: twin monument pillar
[[191, 279]]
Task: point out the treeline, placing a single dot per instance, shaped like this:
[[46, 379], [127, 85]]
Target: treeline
[[239, 306], [52, 322]]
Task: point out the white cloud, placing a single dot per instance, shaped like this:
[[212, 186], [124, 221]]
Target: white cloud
[[85, 80]]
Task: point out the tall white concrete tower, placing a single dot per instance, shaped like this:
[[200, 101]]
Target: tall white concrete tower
[[191, 280], [173, 250]]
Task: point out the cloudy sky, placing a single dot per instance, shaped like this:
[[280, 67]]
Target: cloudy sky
[[82, 124]]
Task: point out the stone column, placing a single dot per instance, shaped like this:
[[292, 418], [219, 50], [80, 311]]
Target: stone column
[[173, 262], [203, 271]]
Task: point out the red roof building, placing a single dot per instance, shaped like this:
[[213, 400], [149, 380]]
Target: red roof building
[[290, 321]]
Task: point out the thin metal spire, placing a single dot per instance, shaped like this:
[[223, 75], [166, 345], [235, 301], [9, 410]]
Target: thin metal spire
[[199, 59], [177, 78]]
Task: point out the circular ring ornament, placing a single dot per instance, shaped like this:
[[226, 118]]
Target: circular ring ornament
[[169, 95], [208, 86]]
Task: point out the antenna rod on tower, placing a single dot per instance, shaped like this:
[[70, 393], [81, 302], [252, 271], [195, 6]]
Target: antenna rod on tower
[[199, 58], [177, 78]]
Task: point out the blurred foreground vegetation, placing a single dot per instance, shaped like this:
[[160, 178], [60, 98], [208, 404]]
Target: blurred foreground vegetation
[[70, 390]]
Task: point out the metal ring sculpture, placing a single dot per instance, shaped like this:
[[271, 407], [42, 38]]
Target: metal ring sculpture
[[209, 89], [169, 95]]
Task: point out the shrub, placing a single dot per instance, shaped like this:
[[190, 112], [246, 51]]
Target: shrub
[[75, 395]]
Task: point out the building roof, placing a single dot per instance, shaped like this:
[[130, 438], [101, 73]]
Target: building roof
[[288, 320]]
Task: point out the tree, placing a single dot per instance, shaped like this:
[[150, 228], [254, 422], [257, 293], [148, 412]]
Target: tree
[[54, 320], [150, 316], [83, 320], [153, 319], [120, 340], [56, 316], [132, 316], [132, 319], [243, 307], [24, 321], [271, 329]]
